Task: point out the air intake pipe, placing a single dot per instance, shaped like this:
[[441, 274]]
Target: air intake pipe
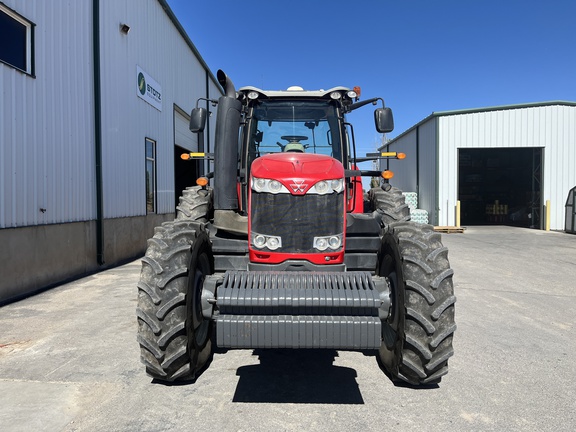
[[226, 147]]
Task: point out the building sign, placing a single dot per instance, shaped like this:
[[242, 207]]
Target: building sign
[[148, 89]]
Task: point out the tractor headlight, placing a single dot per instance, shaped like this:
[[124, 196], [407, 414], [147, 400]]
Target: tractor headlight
[[324, 187], [267, 185], [333, 242], [259, 184], [275, 186], [261, 241]]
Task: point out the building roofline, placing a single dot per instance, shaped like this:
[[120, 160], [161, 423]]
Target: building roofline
[[188, 41], [479, 110], [503, 107]]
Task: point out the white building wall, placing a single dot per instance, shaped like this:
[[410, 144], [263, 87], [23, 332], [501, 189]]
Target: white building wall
[[155, 45], [550, 127], [46, 121]]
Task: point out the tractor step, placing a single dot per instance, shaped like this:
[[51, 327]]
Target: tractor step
[[272, 309]]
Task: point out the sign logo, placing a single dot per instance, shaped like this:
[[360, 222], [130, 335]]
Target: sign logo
[[141, 83], [298, 186], [148, 89]]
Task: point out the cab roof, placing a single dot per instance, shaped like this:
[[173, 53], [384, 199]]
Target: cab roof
[[295, 91]]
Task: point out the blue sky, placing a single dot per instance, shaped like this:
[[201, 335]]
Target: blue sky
[[421, 56]]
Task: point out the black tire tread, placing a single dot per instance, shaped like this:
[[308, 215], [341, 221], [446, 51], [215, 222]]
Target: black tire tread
[[161, 310], [195, 204], [392, 203], [429, 304]]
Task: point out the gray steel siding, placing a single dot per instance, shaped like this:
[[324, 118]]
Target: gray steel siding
[[550, 127], [404, 170], [155, 45], [46, 122], [417, 173], [427, 168]]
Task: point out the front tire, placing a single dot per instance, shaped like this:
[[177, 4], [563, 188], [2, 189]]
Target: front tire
[[417, 336], [174, 337]]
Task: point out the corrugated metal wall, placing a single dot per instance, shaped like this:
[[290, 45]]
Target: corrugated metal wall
[[404, 170], [427, 190], [550, 127], [46, 122], [417, 173], [155, 45]]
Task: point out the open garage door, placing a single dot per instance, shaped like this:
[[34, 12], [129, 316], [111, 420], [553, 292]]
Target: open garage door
[[500, 186], [185, 172]]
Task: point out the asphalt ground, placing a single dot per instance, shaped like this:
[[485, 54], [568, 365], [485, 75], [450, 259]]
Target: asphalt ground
[[69, 360]]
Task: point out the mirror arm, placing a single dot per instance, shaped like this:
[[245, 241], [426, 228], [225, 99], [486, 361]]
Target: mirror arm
[[366, 102], [212, 101]]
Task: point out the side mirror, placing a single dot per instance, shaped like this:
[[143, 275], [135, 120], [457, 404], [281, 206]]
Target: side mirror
[[384, 120], [198, 119]]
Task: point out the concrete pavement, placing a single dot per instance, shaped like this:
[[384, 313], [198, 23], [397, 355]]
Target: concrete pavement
[[69, 360]]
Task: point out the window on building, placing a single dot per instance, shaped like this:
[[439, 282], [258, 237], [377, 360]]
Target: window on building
[[150, 176], [16, 40]]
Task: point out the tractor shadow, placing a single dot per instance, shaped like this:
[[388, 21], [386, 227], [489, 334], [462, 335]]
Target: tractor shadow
[[297, 376]]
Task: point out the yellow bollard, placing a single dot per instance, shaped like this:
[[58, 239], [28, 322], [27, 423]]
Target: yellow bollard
[[547, 215], [458, 214]]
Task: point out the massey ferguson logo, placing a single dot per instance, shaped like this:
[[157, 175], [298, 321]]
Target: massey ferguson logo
[[298, 186]]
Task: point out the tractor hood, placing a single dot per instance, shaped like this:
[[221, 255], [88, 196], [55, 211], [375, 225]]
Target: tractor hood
[[298, 172]]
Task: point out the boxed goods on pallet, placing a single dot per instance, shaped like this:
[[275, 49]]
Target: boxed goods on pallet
[[411, 199], [420, 216]]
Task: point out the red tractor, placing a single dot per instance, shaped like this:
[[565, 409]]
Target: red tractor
[[286, 251]]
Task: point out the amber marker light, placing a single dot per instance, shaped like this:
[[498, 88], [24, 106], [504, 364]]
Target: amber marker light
[[185, 156], [387, 175], [401, 155], [202, 181]]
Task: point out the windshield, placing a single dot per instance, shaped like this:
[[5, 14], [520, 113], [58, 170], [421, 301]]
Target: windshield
[[294, 126]]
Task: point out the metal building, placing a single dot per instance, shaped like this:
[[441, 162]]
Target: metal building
[[93, 117], [502, 163]]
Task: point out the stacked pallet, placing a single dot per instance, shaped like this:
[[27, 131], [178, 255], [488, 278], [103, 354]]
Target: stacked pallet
[[416, 214]]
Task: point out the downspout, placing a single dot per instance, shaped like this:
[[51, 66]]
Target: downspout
[[437, 191], [98, 131], [207, 140], [418, 160]]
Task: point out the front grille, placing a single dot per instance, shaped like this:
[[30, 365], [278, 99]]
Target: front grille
[[297, 219]]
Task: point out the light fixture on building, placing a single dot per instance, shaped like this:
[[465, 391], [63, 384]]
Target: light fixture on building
[[124, 28]]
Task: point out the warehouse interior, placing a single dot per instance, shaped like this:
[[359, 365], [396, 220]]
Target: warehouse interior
[[500, 186]]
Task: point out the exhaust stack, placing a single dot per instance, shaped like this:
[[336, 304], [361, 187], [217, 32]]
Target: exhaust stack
[[226, 147]]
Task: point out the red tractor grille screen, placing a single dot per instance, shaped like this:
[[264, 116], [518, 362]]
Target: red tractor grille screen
[[297, 219]]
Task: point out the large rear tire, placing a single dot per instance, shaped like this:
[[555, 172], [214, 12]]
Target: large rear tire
[[417, 336], [174, 337], [195, 204], [392, 204]]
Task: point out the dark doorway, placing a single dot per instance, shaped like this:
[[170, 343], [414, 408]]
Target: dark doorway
[[185, 172], [500, 186]]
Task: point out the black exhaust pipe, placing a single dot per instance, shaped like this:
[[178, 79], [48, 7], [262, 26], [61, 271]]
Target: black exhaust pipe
[[226, 83], [226, 147]]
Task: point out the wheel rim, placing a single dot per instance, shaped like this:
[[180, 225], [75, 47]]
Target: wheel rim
[[200, 326], [391, 348], [390, 326]]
